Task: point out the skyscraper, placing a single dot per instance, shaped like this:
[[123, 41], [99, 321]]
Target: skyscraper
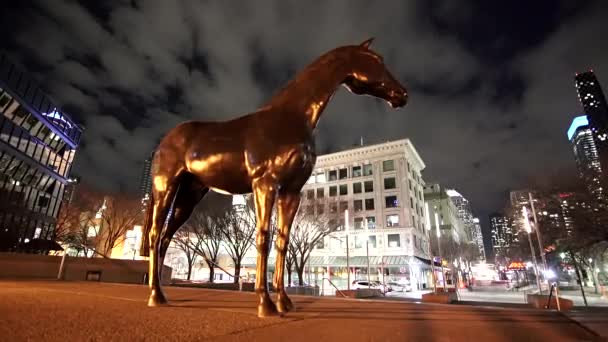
[[503, 235], [592, 98], [478, 238], [585, 154], [465, 213], [145, 184]]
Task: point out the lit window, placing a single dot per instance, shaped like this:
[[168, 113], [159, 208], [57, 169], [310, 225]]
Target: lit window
[[392, 220], [371, 222], [391, 201]]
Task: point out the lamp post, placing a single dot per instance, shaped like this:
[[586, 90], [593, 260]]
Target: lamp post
[[428, 234], [438, 231], [347, 248], [369, 279], [541, 247], [529, 231]]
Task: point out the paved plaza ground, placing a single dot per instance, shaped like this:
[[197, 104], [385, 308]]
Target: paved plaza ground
[[87, 311]]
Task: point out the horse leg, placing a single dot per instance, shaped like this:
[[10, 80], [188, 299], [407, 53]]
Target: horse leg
[[188, 196], [162, 203], [287, 206], [264, 196]]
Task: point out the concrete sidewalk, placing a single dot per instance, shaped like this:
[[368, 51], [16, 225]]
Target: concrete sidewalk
[[79, 311]]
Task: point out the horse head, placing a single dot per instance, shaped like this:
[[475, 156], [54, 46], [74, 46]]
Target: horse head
[[369, 76]]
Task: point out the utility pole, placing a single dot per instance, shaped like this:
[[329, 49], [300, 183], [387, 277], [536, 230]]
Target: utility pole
[[347, 252], [538, 234], [428, 234], [439, 247], [529, 231]]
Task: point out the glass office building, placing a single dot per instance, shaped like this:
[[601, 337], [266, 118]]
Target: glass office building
[[37, 146]]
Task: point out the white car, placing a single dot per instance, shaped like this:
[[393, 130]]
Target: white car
[[364, 284], [400, 287]]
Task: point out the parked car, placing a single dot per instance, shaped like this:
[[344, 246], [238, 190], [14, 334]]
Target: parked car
[[364, 284], [400, 287]]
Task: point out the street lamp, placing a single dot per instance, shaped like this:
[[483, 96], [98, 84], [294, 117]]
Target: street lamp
[[438, 232], [347, 248], [428, 234], [529, 231]]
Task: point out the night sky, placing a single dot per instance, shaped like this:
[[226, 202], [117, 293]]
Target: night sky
[[491, 83]]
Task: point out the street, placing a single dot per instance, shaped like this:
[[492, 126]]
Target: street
[[77, 311]]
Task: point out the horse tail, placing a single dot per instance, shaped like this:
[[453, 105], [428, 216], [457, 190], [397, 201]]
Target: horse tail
[[144, 249]]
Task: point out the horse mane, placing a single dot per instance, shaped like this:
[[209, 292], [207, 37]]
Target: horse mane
[[320, 62]]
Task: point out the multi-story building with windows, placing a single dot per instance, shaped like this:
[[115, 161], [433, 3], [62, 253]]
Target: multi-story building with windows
[[374, 195], [586, 155], [441, 202], [478, 239], [37, 146], [465, 213], [591, 97], [503, 234]]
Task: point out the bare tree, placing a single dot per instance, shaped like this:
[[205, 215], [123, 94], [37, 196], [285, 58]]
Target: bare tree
[[207, 230], [76, 213], [237, 228], [308, 230], [184, 240], [120, 214]]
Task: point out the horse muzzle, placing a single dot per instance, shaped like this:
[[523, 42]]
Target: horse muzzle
[[398, 100]]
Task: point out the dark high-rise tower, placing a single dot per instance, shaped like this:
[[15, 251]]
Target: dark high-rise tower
[[593, 100], [145, 185], [586, 155]]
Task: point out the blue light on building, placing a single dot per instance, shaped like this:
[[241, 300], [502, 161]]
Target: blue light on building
[[579, 121]]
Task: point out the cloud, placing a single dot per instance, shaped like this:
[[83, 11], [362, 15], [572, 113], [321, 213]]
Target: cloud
[[135, 69]]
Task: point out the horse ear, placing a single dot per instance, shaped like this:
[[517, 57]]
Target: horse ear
[[367, 43]]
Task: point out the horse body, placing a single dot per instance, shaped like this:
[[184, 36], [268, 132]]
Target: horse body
[[270, 153]]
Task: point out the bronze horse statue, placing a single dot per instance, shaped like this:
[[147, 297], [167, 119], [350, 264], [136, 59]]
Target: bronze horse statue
[[270, 152]]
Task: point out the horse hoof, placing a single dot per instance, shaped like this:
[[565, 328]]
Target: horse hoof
[[267, 309], [157, 300], [284, 304]]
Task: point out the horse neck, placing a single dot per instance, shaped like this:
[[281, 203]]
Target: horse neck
[[310, 91]]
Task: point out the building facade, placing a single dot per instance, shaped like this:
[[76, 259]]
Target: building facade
[[374, 195], [593, 101], [478, 239], [145, 183], [441, 202], [37, 147], [586, 155], [503, 234], [465, 213]]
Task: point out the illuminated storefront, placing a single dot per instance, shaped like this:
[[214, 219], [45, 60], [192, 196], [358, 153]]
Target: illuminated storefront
[[37, 147]]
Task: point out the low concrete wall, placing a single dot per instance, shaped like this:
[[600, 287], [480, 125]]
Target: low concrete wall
[[248, 287], [360, 293], [17, 265], [540, 301], [440, 297], [303, 290]]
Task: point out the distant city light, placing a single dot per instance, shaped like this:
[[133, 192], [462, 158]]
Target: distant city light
[[578, 121]]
